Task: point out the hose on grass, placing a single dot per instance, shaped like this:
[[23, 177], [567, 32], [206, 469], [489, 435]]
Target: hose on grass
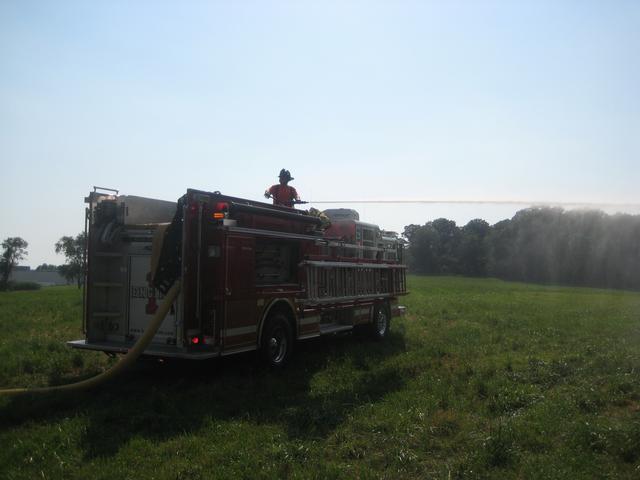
[[124, 362]]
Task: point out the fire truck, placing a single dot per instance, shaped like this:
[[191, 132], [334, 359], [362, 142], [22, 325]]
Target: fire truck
[[253, 276]]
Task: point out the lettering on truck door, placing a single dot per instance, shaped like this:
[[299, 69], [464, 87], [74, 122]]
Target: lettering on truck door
[[240, 326], [144, 301]]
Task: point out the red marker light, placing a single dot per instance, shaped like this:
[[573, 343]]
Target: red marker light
[[195, 340]]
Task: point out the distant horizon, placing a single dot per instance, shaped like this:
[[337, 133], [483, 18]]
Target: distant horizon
[[58, 259]]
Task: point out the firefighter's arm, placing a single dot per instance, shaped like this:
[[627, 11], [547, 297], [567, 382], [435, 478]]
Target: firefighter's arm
[[267, 193]]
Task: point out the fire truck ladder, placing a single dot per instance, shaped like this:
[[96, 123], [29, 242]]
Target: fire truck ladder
[[337, 282]]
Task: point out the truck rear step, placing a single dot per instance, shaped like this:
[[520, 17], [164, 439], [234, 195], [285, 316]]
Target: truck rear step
[[155, 350]]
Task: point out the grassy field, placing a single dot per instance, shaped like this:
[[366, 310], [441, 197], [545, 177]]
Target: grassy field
[[482, 379]]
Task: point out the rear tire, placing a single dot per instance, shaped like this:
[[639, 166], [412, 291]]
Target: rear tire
[[379, 328], [277, 340]]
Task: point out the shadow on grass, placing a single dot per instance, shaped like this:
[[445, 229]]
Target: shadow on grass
[[160, 400]]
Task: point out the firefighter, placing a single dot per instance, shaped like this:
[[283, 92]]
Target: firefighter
[[283, 194]]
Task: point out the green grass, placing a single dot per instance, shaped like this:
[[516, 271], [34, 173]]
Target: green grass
[[482, 379]]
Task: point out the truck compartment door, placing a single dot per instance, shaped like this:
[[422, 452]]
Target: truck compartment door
[[240, 325], [144, 301]]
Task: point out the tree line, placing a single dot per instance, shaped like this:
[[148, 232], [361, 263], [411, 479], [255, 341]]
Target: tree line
[[543, 245], [14, 249]]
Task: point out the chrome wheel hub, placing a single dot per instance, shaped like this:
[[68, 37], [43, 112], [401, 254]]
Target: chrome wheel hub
[[277, 346]]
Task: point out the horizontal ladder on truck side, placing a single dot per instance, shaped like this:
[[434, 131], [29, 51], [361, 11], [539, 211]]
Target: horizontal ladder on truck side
[[329, 282]]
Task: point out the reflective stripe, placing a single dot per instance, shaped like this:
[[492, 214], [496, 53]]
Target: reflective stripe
[[311, 302], [234, 332], [312, 335]]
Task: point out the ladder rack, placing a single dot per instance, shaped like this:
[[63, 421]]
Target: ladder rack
[[329, 282]]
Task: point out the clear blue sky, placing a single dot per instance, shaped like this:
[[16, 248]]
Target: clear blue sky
[[360, 100]]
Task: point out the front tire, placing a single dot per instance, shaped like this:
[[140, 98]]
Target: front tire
[[277, 340]]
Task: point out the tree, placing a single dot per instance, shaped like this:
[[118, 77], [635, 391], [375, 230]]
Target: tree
[[421, 250], [410, 231], [473, 248], [446, 245], [73, 250], [539, 244], [14, 250], [45, 267], [433, 247]]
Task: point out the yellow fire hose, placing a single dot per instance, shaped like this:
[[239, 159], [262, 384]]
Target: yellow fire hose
[[124, 362]]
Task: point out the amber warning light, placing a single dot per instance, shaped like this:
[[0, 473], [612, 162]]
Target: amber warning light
[[220, 210]]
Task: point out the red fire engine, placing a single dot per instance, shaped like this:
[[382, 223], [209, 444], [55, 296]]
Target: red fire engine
[[253, 276]]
